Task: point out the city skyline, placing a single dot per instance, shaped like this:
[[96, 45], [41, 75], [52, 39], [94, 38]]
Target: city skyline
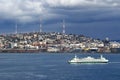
[[94, 18]]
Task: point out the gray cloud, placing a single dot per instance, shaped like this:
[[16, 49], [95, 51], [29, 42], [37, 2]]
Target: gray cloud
[[32, 10]]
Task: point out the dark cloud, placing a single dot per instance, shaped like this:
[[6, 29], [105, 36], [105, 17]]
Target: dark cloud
[[84, 16]]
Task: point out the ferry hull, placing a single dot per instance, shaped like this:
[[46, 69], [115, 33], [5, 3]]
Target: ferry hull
[[87, 62]]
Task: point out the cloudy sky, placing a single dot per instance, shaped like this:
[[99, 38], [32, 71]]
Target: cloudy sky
[[94, 18]]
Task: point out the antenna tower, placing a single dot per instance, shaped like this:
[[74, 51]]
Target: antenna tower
[[40, 26], [63, 27], [16, 28]]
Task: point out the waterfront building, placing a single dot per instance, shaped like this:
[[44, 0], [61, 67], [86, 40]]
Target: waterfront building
[[54, 42]]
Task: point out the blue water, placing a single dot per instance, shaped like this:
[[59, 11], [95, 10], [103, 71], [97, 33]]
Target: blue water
[[55, 67]]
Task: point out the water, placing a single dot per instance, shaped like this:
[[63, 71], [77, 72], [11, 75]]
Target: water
[[55, 67]]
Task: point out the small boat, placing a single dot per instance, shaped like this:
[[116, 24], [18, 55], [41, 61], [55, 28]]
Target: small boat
[[88, 59]]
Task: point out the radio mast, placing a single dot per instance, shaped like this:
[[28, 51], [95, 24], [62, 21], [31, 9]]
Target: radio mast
[[16, 29], [63, 27], [40, 26]]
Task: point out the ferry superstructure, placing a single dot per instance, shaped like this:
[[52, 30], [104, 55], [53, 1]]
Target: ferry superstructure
[[88, 59]]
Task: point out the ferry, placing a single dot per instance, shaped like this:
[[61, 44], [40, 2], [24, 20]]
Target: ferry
[[88, 59]]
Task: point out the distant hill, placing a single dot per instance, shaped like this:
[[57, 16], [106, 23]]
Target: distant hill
[[116, 40]]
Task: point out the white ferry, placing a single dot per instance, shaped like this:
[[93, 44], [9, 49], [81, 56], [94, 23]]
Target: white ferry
[[89, 59]]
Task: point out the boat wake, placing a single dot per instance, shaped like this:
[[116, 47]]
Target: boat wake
[[115, 62]]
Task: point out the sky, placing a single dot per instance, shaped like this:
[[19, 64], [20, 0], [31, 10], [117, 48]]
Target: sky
[[94, 18]]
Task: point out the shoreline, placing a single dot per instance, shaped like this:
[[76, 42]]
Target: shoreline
[[38, 51]]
